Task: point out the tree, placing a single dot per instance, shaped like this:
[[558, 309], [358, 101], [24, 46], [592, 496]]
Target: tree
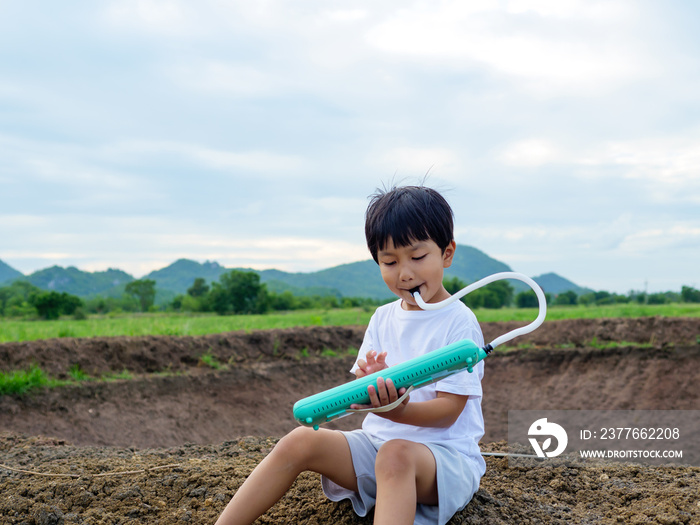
[[657, 298], [51, 305], [527, 299], [48, 304], [70, 303], [283, 301], [144, 290], [497, 294], [690, 295], [239, 293], [18, 298], [199, 288], [566, 298], [453, 285]]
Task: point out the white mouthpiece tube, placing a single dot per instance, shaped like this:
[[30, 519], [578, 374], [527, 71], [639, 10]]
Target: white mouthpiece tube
[[483, 282]]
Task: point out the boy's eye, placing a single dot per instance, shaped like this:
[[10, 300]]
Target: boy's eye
[[388, 263], [420, 257]]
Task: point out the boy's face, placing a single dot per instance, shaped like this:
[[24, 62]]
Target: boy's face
[[419, 265]]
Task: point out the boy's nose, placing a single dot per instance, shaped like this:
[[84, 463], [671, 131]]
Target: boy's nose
[[405, 272]]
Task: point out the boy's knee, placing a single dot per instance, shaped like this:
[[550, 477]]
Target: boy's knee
[[394, 458], [297, 446]]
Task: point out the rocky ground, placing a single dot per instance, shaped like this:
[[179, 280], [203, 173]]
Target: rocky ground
[[172, 444]]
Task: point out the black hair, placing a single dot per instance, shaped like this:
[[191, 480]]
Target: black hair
[[407, 214]]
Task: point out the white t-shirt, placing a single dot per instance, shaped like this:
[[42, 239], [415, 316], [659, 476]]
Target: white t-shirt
[[405, 334]]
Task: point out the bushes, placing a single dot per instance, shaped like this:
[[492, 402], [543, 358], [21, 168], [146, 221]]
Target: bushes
[[51, 305], [21, 381], [690, 295], [22, 299], [240, 292]]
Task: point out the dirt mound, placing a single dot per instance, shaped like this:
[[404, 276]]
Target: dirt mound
[[656, 331], [193, 483], [98, 356], [191, 423]]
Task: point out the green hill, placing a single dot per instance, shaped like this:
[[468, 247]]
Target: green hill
[[470, 264], [180, 275], [80, 283], [554, 284], [357, 279], [8, 273]]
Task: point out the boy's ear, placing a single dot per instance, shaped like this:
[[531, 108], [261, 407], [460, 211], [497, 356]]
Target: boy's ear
[[449, 254]]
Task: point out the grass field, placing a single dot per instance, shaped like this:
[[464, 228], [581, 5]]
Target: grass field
[[181, 324]]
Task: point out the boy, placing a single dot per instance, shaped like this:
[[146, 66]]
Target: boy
[[419, 462]]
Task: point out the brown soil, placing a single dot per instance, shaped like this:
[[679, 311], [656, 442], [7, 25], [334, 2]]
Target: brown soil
[[173, 447]]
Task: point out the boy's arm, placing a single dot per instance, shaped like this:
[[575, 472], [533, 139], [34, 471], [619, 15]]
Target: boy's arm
[[442, 411]]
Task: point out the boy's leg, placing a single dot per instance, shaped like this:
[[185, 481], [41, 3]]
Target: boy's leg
[[406, 475], [324, 451]]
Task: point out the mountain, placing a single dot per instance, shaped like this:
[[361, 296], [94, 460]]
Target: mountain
[[554, 284], [180, 275], [357, 279], [362, 279], [470, 264], [77, 282], [8, 273]]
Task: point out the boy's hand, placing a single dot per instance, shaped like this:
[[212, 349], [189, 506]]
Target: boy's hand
[[384, 394], [375, 362]]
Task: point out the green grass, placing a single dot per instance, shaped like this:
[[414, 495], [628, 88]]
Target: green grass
[[175, 324], [78, 374], [193, 325], [555, 313], [212, 362], [21, 381]]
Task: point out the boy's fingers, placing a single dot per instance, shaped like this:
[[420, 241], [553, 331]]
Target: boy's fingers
[[383, 393], [373, 399], [391, 391]]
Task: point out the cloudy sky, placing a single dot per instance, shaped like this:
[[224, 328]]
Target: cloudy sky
[[565, 133]]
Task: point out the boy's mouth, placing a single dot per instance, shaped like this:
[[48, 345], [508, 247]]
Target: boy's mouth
[[413, 291]]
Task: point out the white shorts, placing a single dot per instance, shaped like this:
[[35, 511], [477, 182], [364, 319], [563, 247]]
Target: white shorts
[[457, 480]]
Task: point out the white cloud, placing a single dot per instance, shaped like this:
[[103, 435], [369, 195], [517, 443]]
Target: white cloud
[[531, 153], [665, 169], [65, 165], [419, 160], [23, 221], [662, 158], [245, 80], [267, 163], [160, 16], [74, 173], [289, 253], [272, 164], [346, 15], [139, 244], [547, 119], [671, 237], [545, 56], [567, 9]]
